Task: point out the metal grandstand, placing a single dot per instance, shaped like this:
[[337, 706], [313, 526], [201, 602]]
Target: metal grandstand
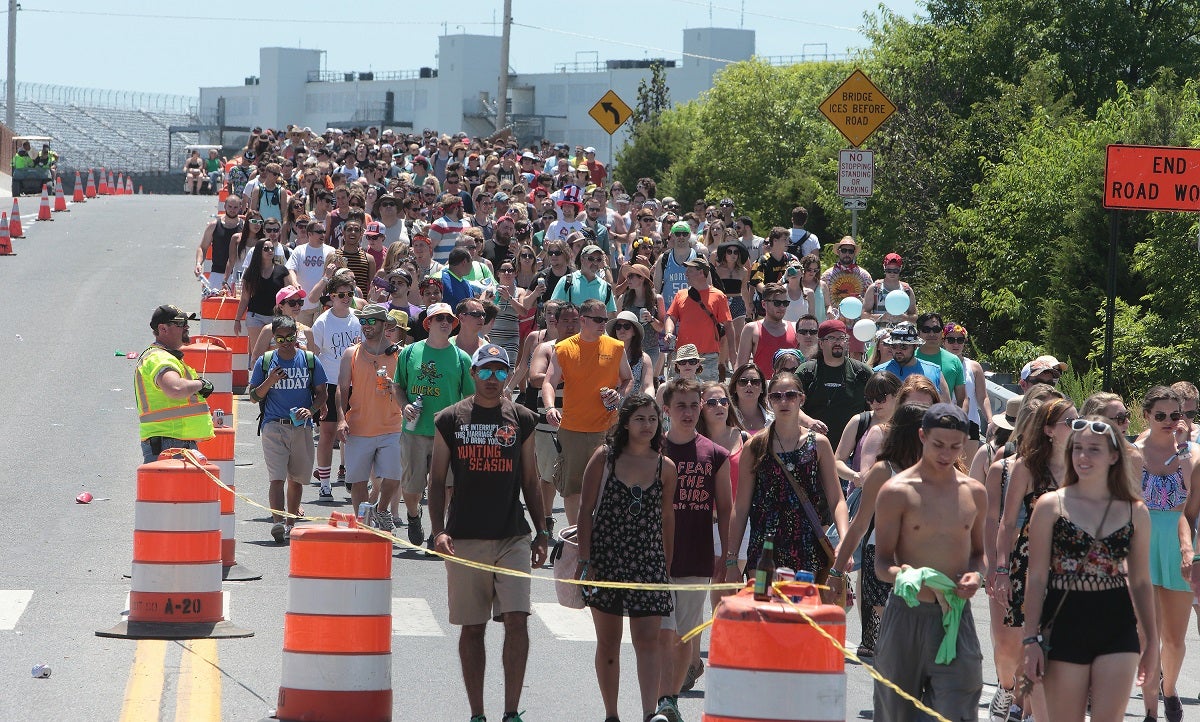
[[92, 127]]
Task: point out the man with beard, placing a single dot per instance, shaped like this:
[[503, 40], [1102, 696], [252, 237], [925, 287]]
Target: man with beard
[[903, 341], [834, 385], [170, 394], [500, 247]]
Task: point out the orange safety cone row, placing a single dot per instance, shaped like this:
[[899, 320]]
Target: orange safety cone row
[[60, 200], [176, 578], [14, 222], [5, 243], [103, 183], [77, 194], [44, 207], [90, 191]]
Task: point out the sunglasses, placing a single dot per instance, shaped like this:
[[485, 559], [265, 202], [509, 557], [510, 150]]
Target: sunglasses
[[807, 331], [1097, 427], [342, 294], [931, 329], [272, 229], [877, 399], [370, 321], [622, 326], [1161, 416], [1121, 418], [682, 234], [316, 229], [595, 319], [687, 362], [635, 508], [891, 270], [178, 324], [716, 401], [554, 253], [285, 339], [473, 314], [744, 381], [268, 249], [507, 270], [595, 259], [1190, 414], [848, 250], [293, 302], [781, 395], [779, 303], [526, 256], [956, 339], [442, 318], [485, 374]]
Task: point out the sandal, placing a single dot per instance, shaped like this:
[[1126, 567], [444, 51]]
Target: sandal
[[865, 651]]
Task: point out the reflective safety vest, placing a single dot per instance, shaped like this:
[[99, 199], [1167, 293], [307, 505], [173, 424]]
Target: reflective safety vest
[[161, 415]]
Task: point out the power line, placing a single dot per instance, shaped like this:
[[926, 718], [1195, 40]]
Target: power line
[[768, 16]]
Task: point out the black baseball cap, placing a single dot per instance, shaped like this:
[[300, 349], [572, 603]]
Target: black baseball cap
[[168, 313], [945, 416]]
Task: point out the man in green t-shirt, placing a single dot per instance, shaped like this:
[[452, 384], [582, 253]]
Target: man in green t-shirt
[[930, 327], [430, 375]]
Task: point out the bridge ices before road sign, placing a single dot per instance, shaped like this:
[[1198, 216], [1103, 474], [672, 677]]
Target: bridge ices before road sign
[[857, 108], [856, 173]]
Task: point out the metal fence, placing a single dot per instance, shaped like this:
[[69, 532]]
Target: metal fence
[[351, 76], [100, 98]]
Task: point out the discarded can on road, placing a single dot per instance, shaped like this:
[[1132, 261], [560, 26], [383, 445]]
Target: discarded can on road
[[41, 671]]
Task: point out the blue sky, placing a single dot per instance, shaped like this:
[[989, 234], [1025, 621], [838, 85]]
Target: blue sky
[[174, 47]]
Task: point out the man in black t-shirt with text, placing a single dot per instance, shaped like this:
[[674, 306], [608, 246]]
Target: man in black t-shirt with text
[[487, 441]]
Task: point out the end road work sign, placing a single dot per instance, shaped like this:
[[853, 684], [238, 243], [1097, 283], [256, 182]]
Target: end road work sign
[[1152, 178]]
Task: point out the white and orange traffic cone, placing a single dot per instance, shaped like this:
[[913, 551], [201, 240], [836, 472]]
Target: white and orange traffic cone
[[44, 207], [77, 194], [14, 222], [128, 185], [103, 183], [120, 188], [60, 200], [90, 191], [5, 242]]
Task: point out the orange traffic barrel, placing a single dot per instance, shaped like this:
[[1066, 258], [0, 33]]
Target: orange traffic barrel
[[219, 450], [217, 314], [213, 360], [176, 579], [765, 662], [337, 632]]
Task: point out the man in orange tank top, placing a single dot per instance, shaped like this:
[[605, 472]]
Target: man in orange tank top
[[370, 428]]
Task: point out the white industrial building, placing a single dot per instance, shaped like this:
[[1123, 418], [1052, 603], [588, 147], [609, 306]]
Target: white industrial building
[[460, 92]]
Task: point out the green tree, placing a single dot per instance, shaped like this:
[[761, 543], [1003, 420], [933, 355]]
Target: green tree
[[652, 98]]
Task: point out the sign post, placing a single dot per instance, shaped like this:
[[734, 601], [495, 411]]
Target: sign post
[[856, 108], [1143, 178], [610, 113]]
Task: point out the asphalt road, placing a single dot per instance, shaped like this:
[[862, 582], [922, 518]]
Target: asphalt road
[[82, 288]]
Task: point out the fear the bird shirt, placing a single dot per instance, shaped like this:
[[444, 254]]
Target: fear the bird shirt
[[485, 458]]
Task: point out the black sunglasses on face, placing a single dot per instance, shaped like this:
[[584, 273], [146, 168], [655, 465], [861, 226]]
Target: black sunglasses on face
[[1161, 416]]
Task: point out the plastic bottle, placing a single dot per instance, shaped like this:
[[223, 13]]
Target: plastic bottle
[[419, 404], [382, 383]]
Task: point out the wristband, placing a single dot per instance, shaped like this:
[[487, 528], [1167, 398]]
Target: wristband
[[731, 562], [836, 574], [544, 532], [1195, 558], [1035, 639], [1002, 571]]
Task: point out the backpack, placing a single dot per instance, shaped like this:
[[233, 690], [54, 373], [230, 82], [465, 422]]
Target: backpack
[[796, 248], [312, 366]]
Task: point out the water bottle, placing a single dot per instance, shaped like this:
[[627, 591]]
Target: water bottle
[[411, 425], [382, 384]]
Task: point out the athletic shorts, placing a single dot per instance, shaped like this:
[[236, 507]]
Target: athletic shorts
[[687, 606], [330, 415], [288, 450], [364, 453], [547, 454], [417, 452], [577, 450], [476, 596]]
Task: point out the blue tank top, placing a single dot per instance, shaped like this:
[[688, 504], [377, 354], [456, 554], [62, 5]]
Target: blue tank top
[[674, 276]]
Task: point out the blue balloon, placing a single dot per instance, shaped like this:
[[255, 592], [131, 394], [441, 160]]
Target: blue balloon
[[850, 308], [896, 302]]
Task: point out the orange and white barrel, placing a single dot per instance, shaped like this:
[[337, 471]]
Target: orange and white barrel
[[176, 578], [219, 451], [211, 358], [766, 663], [337, 632], [217, 314]]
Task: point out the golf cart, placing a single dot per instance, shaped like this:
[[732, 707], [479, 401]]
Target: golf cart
[[31, 171]]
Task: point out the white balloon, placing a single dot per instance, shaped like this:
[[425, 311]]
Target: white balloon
[[896, 302], [864, 330], [850, 307]]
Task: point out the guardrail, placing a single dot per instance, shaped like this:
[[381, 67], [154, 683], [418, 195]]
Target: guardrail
[[102, 98]]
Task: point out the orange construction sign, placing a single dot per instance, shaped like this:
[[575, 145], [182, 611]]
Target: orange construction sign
[[1152, 178]]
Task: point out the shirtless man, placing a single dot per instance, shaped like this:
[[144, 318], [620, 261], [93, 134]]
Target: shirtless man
[[930, 518]]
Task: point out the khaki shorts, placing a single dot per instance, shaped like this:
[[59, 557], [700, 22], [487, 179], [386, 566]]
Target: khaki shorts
[[547, 454], [687, 605], [307, 317], [288, 450], [476, 596], [577, 450], [417, 452], [361, 454]]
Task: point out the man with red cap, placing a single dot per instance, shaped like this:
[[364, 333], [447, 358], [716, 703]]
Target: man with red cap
[[834, 384]]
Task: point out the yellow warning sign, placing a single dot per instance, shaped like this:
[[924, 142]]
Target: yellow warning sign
[[610, 112], [857, 108]]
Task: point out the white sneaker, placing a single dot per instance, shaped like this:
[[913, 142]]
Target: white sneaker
[[1001, 702]]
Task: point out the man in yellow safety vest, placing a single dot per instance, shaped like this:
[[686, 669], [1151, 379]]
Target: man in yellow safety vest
[[170, 394]]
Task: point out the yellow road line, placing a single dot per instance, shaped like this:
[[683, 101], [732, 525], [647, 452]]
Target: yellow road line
[[143, 691], [199, 691]]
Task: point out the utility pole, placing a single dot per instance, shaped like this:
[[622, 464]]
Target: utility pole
[[10, 99], [505, 39]]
